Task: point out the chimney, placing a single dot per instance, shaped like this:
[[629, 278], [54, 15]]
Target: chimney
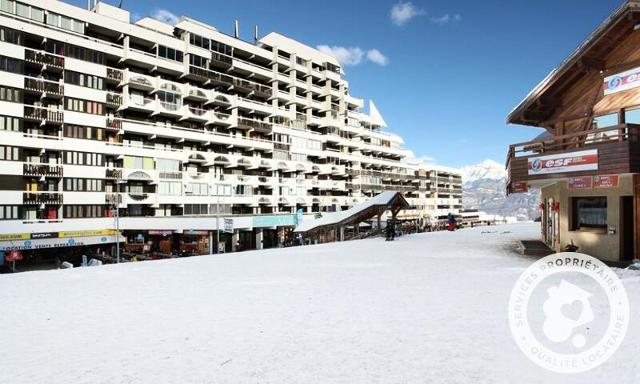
[[255, 35], [236, 33]]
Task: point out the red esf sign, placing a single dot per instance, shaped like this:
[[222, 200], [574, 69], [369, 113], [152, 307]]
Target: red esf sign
[[564, 163]]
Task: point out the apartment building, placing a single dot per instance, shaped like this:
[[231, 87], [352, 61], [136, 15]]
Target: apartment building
[[164, 131]]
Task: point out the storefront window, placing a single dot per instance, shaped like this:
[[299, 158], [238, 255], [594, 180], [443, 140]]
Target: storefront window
[[632, 116], [589, 214], [605, 121]]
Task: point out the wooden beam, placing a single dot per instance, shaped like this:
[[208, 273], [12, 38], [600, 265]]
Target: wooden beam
[[592, 63]]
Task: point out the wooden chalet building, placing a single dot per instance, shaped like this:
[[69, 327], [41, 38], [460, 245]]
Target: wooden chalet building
[[587, 163]]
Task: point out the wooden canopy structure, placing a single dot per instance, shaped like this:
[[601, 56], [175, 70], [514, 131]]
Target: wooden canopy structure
[[337, 221]]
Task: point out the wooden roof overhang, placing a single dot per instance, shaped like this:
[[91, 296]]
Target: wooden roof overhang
[[541, 102]]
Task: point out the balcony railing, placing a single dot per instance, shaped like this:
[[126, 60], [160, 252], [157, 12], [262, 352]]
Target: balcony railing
[[615, 143], [43, 58], [43, 86], [47, 198], [114, 74], [113, 174], [38, 113], [255, 125], [114, 99], [113, 198], [41, 170], [114, 123]]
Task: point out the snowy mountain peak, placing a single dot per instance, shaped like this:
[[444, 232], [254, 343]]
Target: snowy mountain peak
[[488, 169]]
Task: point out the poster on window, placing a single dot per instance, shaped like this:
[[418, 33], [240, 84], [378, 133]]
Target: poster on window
[[606, 181], [564, 162]]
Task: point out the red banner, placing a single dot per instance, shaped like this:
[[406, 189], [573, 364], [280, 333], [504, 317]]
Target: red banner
[[580, 161], [14, 256], [583, 182], [606, 181]]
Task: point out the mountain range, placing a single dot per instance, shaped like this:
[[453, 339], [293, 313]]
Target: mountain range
[[484, 188]]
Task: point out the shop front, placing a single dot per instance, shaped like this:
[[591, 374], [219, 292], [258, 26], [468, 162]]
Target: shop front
[[587, 162]]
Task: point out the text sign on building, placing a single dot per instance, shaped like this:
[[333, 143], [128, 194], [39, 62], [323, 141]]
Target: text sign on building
[[606, 181], [622, 81], [564, 162], [584, 182], [519, 187], [228, 225]]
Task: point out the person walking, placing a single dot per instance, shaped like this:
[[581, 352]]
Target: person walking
[[451, 220]]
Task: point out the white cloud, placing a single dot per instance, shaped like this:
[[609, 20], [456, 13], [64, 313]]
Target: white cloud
[[377, 57], [446, 19], [165, 16], [347, 56], [402, 12], [350, 56]]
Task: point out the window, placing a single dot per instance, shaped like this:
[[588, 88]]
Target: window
[[83, 185], [85, 106], [10, 35], [9, 212], [170, 188], [197, 189], [589, 214], [632, 116], [81, 132], [10, 94], [605, 121], [10, 123], [82, 158], [81, 211], [199, 41], [65, 22], [169, 53], [138, 162], [84, 80], [10, 153]]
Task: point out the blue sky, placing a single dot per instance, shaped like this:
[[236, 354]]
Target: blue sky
[[444, 73]]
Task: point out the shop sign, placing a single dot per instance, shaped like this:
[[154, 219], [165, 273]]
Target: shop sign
[[160, 232], [564, 162], [193, 232], [274, 221], [44, 235], [228, 225], [606, 181], [622, 81], [519, 187], [584, 182]]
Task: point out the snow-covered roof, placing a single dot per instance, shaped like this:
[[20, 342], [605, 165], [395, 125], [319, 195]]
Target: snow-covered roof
[[334, 218]]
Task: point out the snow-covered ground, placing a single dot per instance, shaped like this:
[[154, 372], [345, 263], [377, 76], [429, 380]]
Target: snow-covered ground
[[429, 308]]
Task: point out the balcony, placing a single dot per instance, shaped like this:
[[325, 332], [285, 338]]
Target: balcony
[[37, 198], [113, 199], [42, 170], [43, 115], [113, 123], [43, 58], [114, 99], [220, 61], [257, 126], [43, 87], [114, 75], [614, 148]]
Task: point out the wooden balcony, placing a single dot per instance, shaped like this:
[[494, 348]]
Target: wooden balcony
[[618, 151]]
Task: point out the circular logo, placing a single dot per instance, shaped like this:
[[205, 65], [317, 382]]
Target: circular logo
[[536, 165], [615, 82], [568, 312]]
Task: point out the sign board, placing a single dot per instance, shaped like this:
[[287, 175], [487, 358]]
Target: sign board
[[298, 218], [519, 187], [564, 162], [584, 182], [273, 221], [606, 181], [228, 225], [194, 232], [622, 81]]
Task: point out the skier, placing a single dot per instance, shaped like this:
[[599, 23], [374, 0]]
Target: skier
[[391, 230], [451, 220]]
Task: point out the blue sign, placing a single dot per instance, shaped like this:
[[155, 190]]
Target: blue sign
[[274, 221]]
